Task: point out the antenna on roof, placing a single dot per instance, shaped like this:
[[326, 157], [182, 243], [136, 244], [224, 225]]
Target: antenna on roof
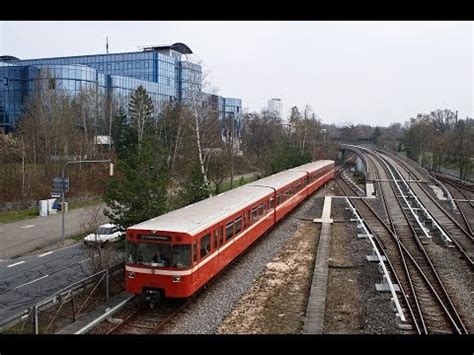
[[107, 44]]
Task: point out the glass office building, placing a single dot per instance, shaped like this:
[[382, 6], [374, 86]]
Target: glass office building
[[163, 71]]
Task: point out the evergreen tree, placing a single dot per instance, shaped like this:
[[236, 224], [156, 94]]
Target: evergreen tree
[[287, 156], [122, 135], [141, 111], [195, 187], [138, 191]]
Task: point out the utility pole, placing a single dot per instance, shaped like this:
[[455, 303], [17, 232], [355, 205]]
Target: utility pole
[[62, 185]]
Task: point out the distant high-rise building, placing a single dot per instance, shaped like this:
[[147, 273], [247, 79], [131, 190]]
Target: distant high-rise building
[[163, 70], [274, 106]]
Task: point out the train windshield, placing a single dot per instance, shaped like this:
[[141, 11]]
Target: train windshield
[[159, 254]]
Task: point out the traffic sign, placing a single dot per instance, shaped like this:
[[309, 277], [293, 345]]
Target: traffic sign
[[60, 183], [55, 194]]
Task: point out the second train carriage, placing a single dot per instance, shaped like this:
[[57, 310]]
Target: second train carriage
[[175, 254]]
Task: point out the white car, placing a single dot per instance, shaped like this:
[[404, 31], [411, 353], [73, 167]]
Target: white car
[[106, 233]]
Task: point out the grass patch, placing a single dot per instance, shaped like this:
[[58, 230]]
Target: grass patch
[[225, 186], [78, 237], [12, 216], [76, 204]]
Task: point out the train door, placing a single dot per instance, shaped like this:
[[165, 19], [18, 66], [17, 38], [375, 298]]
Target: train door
[[216, 245], [195, 254], [246, 219]]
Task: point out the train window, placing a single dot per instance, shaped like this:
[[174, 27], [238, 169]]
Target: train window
[[156, 254], [246, 219], [260, 210], [271, 202], [238, 225], [205, 245], [288, 192], [216, 238], [254, 214], [182, 256], [229, 230], [131, 252], [278, 198], [195, 251]]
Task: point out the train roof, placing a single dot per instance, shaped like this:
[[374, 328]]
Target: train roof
[[313, 166], [203, 214]]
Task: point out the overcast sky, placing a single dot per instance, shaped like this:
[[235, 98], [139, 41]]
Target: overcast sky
[[359, 72]]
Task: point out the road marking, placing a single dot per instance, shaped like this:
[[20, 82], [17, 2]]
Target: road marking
[[28, 226], [42, 277], [49, 252], [18, 263]]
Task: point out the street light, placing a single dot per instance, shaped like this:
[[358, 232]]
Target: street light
[[62, 185]]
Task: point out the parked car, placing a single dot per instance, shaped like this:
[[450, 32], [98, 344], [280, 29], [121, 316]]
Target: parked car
[[106, 233]]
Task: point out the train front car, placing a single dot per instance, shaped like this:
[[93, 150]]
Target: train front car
[[158, 263]]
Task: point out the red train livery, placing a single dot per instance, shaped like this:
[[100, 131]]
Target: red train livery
[[175, 254]]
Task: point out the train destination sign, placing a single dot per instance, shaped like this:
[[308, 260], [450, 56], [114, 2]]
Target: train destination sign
[[153, 237]]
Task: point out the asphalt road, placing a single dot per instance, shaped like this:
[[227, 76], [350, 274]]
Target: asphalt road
[[28, 280], [22, 237]]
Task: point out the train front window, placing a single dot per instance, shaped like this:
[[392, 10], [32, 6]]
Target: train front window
[[156, 254], [182, 256], [131, 252]]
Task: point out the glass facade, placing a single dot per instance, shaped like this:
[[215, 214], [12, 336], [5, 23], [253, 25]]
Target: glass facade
[[160, 70]]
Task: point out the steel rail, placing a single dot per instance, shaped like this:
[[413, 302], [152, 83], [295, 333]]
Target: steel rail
[[456, 242], [441, 208], [460, 328]]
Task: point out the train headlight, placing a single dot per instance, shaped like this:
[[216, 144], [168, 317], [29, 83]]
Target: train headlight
[[176, 278], [131, 275]]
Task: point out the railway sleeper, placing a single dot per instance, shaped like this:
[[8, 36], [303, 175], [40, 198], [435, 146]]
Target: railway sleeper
[[440, 239], [374, 258], [385, 287], [402, 325]]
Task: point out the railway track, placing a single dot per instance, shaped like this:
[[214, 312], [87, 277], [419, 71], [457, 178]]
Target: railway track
[[150, 321], [463, 199], [427, 303], [460, 236]]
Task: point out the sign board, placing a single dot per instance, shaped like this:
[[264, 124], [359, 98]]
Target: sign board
[[56, 194], [58, 184], [153, 237]]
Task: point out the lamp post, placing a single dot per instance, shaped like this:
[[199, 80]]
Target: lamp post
[[62, 185]]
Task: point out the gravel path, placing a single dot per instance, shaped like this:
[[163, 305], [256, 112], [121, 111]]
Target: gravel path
[[213, 303]]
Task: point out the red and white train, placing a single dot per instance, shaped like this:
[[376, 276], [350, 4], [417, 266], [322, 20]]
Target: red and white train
[[175, 254]]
